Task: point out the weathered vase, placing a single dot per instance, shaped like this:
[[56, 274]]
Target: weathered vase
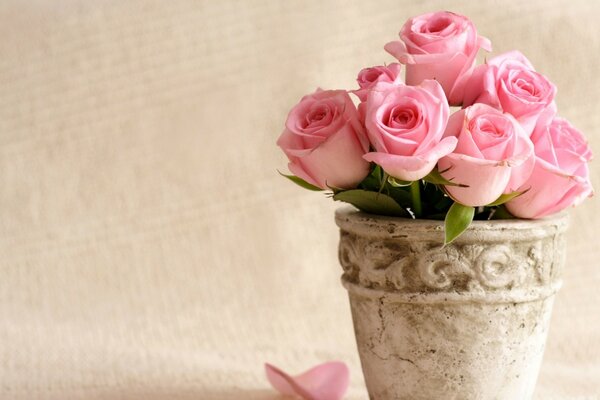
[[465, 321]]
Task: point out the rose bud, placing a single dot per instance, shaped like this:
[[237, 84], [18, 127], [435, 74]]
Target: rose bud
[[369, 77], [441, 46], [325, 141]]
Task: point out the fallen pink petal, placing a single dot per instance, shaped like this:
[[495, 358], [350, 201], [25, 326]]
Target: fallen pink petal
[[327, 381]]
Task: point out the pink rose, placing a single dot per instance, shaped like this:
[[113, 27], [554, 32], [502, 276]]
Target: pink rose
[[325, 141], [509, 82], [560, 177], [440, 46], [493, 156], [405, 125], [369, 77]]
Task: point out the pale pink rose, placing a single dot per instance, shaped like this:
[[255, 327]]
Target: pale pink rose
[[325, 141], [441, 46], [510, 83], [369, 77], [561, 176], [405, 125], [493, 156]]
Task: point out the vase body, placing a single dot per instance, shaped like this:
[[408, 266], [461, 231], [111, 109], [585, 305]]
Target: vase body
[[464, 321]]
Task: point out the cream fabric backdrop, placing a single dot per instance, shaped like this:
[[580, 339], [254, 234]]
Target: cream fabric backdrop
[[148, 248]]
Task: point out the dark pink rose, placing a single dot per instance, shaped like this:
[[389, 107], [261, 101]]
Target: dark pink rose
[[561, 176], [325, 141], [493, 156], [441, 46], [405, 125], [509, 83]]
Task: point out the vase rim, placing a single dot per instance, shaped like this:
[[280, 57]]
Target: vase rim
[[352, 220]]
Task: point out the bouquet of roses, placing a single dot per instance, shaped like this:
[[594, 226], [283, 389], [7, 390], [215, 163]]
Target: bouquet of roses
[[502, 153]]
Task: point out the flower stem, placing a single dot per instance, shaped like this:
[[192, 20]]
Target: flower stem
[[415, 193]]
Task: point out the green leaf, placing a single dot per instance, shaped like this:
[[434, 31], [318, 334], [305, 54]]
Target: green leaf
[[372, 202], [379, 173], [505, 198], [369, 183], [415, 195], [373, 180], [436, 178], [401, 195], [383, 182], [457, 220], [397, 182], [301, 182], [335, 189], [501, 213]]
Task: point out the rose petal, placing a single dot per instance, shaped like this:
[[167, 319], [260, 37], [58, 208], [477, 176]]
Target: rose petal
[[521, 173], [485, 43], [481, 87], [337, 162], [289, 143], [446, 76], [457, 93], [398, 50], [455, 123], [486, 179], [550, 191], [412, 168], [511, 55], [298, 170], [544, 121], [327, 381]]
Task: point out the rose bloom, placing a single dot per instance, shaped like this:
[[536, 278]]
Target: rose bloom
[[325, 141], [493, 156], [441, 46], [561, 176], [405, 125], [369, 77], [509, 82]]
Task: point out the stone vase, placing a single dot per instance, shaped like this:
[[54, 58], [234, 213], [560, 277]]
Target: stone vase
[[465, 321]]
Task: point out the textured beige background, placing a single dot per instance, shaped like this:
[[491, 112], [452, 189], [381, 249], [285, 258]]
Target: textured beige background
[[148, 249]]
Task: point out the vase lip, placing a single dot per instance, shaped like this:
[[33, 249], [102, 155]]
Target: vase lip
[[352, 220]]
